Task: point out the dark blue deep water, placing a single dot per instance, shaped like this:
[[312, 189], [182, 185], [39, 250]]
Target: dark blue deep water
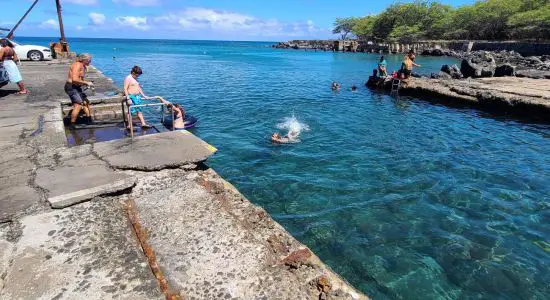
[[403, 198]]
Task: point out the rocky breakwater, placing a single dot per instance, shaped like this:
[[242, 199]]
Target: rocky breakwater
[[482, 82], [323, 45]]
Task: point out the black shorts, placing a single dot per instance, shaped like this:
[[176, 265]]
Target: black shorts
[[75, 93]]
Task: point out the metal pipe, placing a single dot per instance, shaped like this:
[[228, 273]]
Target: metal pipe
[[10, 35], [61, 29]]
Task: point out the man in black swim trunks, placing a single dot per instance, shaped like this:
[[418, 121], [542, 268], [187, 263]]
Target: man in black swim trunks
[[73, 88]]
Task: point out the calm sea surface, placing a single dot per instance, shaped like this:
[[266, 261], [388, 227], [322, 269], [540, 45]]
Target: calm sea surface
[[403, 198]]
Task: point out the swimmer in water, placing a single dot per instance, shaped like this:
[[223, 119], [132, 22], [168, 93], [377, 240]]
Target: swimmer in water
[[289, 138], [335, 86], [354, 88]]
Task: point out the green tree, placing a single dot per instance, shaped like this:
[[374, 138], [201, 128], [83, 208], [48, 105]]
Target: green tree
[[364, 28], [344, 26], [532, 24], [422, 19]]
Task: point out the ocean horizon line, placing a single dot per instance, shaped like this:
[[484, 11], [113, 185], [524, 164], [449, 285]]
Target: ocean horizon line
[[143, 39]]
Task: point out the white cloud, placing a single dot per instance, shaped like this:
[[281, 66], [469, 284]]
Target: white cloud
[[82, 2], [79, 27], [139, 2], [49, 24], [96, 18], [197, 19], [135, 22]]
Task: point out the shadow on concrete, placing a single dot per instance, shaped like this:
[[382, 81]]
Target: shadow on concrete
[[4, 93]]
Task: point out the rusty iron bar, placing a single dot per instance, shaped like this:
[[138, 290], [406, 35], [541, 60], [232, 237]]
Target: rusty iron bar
[[10, 35], [61, 29], [141, 235]]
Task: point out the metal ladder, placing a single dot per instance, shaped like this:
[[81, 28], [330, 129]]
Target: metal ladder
[[395, 86]]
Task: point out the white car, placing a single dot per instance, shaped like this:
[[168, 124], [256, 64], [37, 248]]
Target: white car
[[32, 52]]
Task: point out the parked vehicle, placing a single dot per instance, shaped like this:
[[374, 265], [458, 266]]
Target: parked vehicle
[[32, 52]]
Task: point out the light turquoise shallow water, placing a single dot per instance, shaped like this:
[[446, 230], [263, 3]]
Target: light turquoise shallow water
[[405, 199]]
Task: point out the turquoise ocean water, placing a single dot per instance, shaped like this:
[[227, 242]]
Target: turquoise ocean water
[[404, 198]]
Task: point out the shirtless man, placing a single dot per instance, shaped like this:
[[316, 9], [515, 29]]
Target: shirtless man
[[134, 95], [73, 88]]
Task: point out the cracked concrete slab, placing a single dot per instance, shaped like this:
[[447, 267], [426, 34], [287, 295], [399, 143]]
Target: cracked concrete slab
[[154, 152], [83, 252], [17, 195], [224, 248], [81, 179]]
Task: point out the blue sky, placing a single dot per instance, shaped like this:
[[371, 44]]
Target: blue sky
[[190, 19]]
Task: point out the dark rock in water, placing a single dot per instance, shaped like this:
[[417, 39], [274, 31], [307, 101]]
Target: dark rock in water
[[476, 65], [505, 70], [453, 71], [446, 69], [437, 52]]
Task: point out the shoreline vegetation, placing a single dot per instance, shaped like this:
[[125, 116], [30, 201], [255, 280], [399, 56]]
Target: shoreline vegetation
[[492, 20]]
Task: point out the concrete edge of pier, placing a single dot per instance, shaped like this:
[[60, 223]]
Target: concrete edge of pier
[[132, 219]]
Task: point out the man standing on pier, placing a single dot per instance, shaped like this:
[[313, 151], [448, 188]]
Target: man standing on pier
[[73, 88]]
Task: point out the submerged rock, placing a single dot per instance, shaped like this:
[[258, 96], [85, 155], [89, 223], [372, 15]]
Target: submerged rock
[[453, 71]]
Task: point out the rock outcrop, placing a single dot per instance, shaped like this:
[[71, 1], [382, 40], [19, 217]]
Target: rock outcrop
[[477, 65], [453, 71], [505, 70]]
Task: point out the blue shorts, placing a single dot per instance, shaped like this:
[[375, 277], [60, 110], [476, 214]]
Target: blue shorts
[[136, 100]]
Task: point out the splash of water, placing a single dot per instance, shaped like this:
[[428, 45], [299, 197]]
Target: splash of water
[[294, 127]]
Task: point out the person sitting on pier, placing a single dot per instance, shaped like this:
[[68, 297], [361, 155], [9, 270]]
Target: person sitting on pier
[[134, 95], [335, 86], [8, 57], [383, 67], [73, 88]]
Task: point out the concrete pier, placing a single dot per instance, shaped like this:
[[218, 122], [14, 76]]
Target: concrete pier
[[141, 218]]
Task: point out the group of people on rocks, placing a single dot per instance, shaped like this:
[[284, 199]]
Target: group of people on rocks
[[132, 92], [381, 74]]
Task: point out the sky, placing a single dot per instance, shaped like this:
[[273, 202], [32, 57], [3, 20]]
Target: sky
[[242, 20]]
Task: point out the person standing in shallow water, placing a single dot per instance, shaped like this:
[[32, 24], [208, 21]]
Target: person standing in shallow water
[[73, 88], [8, 57]]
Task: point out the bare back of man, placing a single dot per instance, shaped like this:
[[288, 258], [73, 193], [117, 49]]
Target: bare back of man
[[73, 88]]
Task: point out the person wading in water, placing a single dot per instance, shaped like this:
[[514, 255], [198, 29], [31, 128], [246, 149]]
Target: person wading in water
[[7, 59], [73, 88]]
